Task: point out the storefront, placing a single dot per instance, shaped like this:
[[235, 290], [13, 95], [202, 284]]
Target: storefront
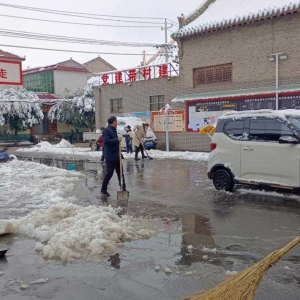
[[206, 111]]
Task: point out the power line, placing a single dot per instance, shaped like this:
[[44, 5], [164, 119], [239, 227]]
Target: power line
[[73, 12], [173, 22], [77, 23], [67, 39], [75, 51], [81, 15]]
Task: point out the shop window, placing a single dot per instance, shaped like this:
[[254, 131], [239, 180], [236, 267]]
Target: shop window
[[157, 102], [116, 105], [213, 74]]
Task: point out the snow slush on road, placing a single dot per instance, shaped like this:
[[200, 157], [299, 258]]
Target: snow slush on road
[[63, 230]]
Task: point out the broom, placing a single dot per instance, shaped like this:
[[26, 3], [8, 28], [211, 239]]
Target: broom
[[243, 285]]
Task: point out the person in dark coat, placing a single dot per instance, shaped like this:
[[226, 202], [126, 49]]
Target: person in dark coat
[[128, 139], [71, 136], [111, 154]]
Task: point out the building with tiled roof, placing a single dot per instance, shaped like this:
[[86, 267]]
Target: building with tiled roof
[[54, 79], [216, 15], [233, 55], [98, 65], [236, 55], [10, 56]]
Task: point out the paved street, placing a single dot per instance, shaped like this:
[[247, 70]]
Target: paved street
[[228, 232]]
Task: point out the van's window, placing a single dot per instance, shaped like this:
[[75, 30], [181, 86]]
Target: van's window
[[295, 122], [234, 129], [220, 125], [269, 130]]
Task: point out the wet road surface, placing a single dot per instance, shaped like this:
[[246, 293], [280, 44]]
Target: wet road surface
[[228, 232]]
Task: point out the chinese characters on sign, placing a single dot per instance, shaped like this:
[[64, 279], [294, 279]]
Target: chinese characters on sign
[[105, 79], [10, 72], [3, 73], [118, 77], [163, 71], [176, 121], [143, 73]]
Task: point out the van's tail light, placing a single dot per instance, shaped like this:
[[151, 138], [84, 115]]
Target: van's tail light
[[213, 146]]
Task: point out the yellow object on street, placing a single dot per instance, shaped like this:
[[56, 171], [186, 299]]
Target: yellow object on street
[[207, 129]]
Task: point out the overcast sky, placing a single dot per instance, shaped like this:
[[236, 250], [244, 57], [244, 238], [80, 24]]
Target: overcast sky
[[152, 8]]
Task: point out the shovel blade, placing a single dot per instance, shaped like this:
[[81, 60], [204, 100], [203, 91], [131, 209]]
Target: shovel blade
[[122, 195]]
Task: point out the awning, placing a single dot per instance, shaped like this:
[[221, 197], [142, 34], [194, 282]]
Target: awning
[[235, 93]]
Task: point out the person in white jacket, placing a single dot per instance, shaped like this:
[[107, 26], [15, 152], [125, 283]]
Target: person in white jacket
[[138, 139]]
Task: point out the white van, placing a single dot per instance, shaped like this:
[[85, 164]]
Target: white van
[[150, 140], [258, 148]]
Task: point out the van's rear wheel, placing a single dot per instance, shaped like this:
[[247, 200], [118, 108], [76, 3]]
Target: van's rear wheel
[[222, 180]]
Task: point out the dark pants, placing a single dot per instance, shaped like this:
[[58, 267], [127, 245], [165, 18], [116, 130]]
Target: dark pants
[[111, 166], [138, 149], [128, 147]]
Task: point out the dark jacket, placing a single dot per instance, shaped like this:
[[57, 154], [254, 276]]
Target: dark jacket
[[111, 143]]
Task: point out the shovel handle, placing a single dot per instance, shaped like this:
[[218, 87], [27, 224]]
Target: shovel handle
[[121, 169]]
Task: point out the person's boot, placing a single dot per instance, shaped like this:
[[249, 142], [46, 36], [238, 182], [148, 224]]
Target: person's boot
[[105, 194]]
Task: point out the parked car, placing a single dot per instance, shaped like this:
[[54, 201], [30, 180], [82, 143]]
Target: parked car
[[258, 148]]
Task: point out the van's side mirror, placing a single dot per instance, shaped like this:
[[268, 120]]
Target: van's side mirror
[[288, 140]]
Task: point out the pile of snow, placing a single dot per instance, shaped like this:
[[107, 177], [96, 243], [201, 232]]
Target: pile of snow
[[6, 227], [63, 147], [67, 231], [63, 144], [195, 156], [31, 185]]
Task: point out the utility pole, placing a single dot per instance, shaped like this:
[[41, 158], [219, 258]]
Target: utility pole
[[165, 28]]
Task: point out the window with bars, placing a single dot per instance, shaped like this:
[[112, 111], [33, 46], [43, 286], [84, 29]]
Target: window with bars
[[116, 105], [213, 74], [157, 102]]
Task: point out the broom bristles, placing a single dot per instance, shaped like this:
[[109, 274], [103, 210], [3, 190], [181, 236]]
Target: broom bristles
[[243, 285]]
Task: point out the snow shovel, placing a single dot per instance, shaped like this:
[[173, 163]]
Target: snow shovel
[[149, 157], [121, 195]]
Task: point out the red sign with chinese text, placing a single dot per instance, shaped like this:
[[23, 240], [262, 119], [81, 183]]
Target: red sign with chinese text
[[11, 72]]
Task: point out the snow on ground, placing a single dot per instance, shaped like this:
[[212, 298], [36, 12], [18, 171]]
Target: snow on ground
[[35, 185], [65, 148], [195, 156], [64, 230], [68, 231]]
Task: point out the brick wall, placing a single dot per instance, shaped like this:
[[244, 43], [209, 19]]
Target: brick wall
[[247, 48], [135, 96], [68, 80]]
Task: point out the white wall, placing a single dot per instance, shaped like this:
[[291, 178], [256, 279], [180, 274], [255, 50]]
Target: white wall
[[69, 80]]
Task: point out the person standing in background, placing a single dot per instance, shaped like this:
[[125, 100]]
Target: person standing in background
[[137, 141], [71, 136], [128, 139]]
